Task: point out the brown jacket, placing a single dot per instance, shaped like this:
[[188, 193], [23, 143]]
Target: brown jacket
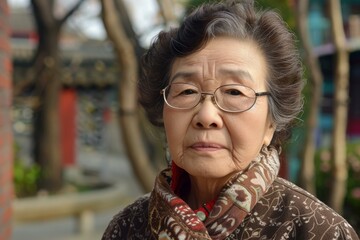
[[285, 211]]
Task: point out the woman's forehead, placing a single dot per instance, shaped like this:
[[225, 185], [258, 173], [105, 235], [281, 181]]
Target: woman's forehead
[[222, 58]]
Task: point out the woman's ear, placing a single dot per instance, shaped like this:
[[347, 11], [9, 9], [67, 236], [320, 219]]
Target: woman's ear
[[269, 134]]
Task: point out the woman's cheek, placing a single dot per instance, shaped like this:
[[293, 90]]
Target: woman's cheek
[[175, 130]]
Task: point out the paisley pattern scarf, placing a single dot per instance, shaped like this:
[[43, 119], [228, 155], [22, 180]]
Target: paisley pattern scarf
[[171, 218]]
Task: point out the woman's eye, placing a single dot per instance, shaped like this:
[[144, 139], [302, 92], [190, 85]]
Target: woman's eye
[[188, 92], [234, 92]]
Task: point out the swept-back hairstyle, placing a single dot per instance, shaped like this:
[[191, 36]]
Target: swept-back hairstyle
[[238, 20]]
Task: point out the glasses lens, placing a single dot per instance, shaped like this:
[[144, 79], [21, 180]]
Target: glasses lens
[[235, 98], [182, 95]]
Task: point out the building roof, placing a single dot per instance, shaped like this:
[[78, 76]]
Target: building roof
[[85, 63], [91, 64]]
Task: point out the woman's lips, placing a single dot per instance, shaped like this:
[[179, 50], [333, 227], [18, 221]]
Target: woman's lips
[[204, 146]]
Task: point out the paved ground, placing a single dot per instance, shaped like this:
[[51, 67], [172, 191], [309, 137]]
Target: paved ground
[[112, 167], [62, 229]]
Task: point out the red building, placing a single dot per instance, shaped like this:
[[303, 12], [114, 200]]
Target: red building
[[86, 64]]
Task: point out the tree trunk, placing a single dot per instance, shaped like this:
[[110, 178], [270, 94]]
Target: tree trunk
[[129, 121], [46, 127], [307, 178], [48, 85], [339, 166], [152, 137], [6, 139]]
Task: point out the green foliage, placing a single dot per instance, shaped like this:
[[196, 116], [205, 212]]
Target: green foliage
[[352, 199], [281, 6], [323, 181], [25, 177], [192, 4]]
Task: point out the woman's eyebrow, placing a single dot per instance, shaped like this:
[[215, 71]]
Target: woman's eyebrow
[[238, 73], [184, 75]]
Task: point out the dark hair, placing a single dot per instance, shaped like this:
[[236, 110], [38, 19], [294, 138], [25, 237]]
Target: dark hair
[[239, 20]]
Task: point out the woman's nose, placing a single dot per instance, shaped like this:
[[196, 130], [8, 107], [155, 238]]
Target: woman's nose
[[208, 114]]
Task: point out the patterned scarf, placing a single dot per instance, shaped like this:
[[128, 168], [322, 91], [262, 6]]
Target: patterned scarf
[[171, 218]]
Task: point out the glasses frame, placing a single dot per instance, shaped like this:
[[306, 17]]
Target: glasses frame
[[213, 98]]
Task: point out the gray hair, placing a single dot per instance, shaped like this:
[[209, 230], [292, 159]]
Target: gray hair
[[239, 20]]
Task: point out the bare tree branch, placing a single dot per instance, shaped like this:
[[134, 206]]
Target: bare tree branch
[[307, 174], [166, 10], [124, 18], [43, 12], [127, 96], [339, 168], [71, 12]]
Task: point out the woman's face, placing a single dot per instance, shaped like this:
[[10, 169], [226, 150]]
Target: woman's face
[[206, 141]]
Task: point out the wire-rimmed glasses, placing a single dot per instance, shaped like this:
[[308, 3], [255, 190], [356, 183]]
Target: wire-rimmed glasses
[[229, 98]]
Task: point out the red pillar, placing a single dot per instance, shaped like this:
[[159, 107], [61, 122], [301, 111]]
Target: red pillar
[[6, 138], [68, 126], [284, 166]]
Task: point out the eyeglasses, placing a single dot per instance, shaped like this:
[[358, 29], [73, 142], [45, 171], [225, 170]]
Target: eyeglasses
[[229, 98]]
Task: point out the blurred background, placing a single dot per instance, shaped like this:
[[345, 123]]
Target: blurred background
[[75, 148]]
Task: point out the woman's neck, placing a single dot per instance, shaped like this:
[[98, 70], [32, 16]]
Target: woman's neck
[[204, 190], [196, 191]]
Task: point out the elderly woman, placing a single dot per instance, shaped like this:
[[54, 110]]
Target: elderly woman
[[226, 85]]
